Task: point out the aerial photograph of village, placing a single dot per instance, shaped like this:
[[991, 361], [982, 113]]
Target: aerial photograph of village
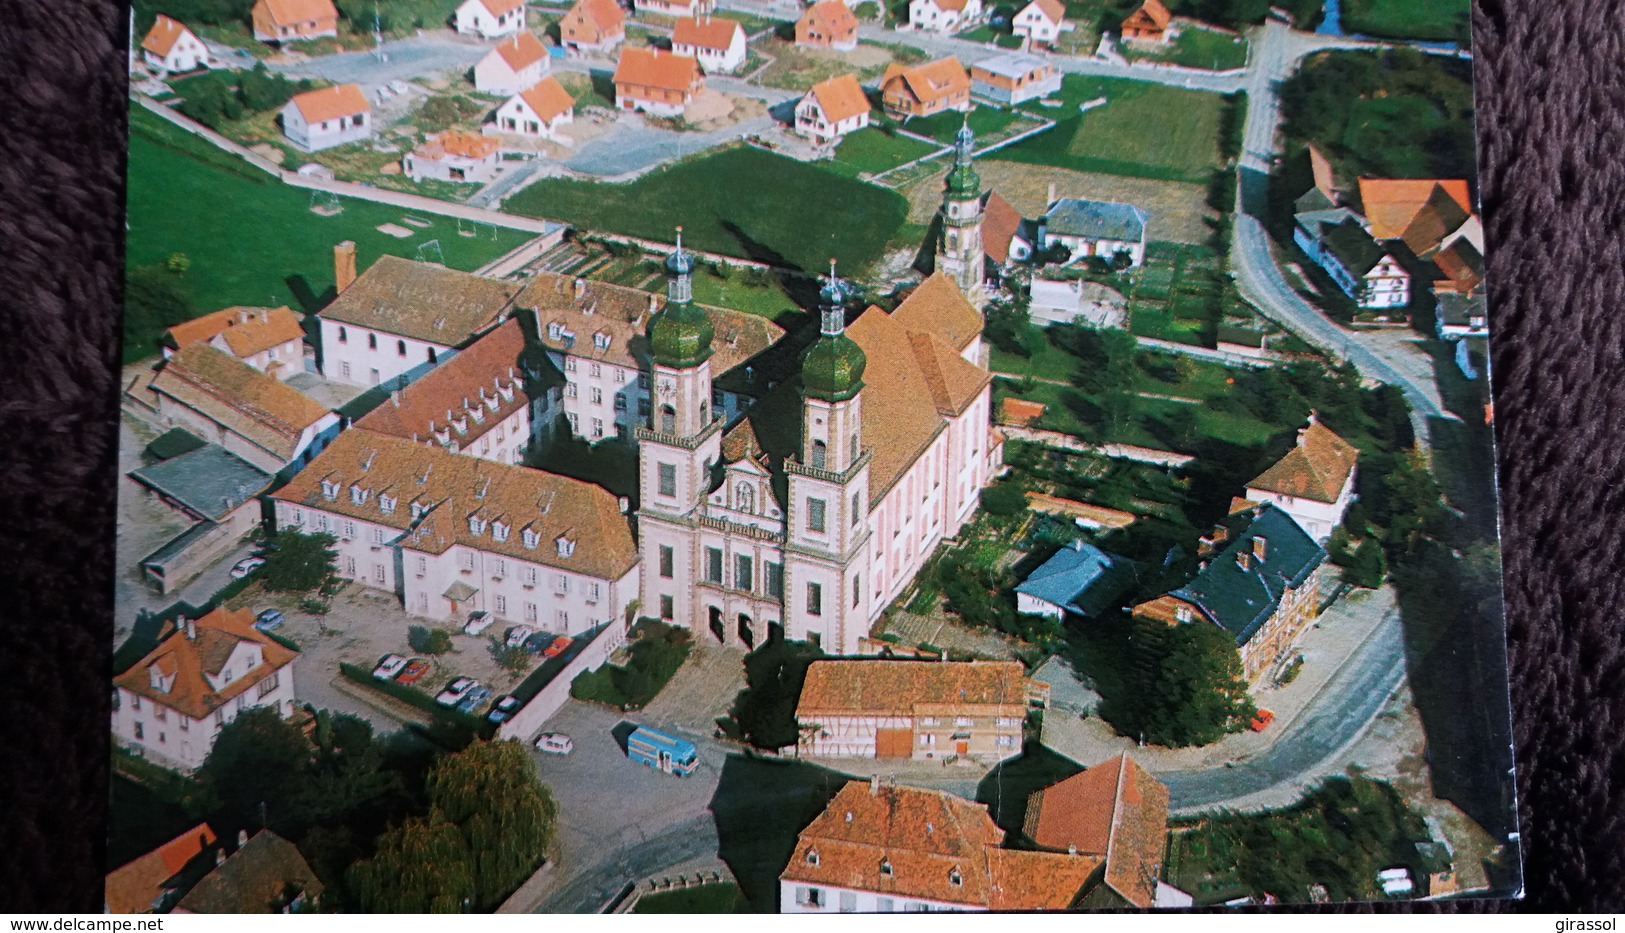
[[712, 456]]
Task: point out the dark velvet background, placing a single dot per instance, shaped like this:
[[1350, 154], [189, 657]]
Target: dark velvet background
[[1552, 141]]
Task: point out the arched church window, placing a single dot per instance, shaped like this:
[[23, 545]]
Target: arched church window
[[668, 419], [820, 454]]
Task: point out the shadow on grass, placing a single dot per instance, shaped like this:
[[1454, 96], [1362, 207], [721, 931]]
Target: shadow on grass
[[1006, 788], [760, 806]]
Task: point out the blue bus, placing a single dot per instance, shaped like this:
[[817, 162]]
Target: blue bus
[[662, 751]]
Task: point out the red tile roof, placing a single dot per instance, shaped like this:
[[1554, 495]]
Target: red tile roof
[[1152, 12], [706, 32], [1020, 412], [1116, 811], [245, 331], [657, 68], [591, 20], [422, 301], [908, 842], [134, 886], [522, 51], [258, 406], [163, 35], [931, 81], [257, 878], [840, 97], [937, 306], [829, 18], [499, 7], [486, 377], [289, 12], [548, 99], [218, 634], [457, 144], [1000, 222], [1316, 468], [1390, 204], [899, 686], [1053, 10], [340, 100]]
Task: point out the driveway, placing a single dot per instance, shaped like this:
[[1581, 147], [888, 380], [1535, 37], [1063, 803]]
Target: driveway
[[420, 56], [633, 145]]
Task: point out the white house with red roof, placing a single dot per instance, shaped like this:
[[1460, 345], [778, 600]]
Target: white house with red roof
[[1040, 21], [172, 48], [515, 64], [333, 116], [944, 16], [1314, 482], [674, 7], [490, 19], [717, 43], [289, 20], [656, 82], [592, 26], [833, 109], [454, 156], [170, 705], [537, 112]]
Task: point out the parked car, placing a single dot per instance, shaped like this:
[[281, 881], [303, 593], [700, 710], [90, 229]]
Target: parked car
[[503, 708], [558, 646], [456, 691], [518, 634], [246, 566], [413, 671], [389, 667], [269, 619], [1261, 720], [538, 642], [478, 621], [554, 743], [475, 698]]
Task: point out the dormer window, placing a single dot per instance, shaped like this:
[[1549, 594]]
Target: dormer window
[[358, 495], [476, 524], [499, 532], [600, 340], [885, 868], [387, 503], [330, 490], [812, 857], [555, 330], [566, 546], [418, 509], [955, 878], [1182, 613], [531, 538]]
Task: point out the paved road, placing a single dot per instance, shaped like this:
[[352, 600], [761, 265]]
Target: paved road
[[1341, 711], [630, 860], [405, 60]]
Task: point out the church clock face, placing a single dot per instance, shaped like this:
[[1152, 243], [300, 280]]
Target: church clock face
[[667, 388]]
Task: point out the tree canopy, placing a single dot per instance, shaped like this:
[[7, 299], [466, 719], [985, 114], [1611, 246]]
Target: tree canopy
[[300, 563], [1190, 687], [764, 713]]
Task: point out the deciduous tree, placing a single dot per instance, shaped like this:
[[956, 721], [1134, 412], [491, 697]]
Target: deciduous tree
[[505, 816]]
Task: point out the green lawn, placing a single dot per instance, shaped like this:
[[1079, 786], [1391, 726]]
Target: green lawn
[[1194, 48], [253, 240], [873, 150], [984, 122], [723, 898], [740, 202], [766, 300], [1143, 130], [1442, 20]]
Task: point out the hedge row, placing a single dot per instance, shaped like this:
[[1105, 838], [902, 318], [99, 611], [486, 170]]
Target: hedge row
[[442, 721]]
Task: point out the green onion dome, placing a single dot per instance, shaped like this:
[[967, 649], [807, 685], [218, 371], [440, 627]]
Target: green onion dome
[[832, 368]]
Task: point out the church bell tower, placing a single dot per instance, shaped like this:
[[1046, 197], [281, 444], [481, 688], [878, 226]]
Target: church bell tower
[[959, 252]]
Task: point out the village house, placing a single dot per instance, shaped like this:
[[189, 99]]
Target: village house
[[833, 490], [922, 90], [272, 340], [674, 7], [1314, 482], [292, 20], [1101, 229], [592, 332], [1460, 308], [151, 882], [592, 26], [266, 875], [1014, 78], [833, 108], [1116, 812], [224, 401], [1001, 227], [1040, 21], [448, 534], [333, 116], [1363, 269], [216, 492], [880, 847], [396, 321], [1148, 23], [1259, 582], [453, 156], [1421, 211], [476, 403], [914, 709], [1079, 578], [656, 82], [169, 47], [717, 43], [537, 112], [170, 705], [490, 19], [944, 16], [828, 24], [512, 66]]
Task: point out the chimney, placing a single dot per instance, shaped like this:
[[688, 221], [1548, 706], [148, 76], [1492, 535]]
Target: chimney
[[580, 288], [191, 630], [344, 265], [395, 398], [625, 504], [242, 838], [1072, 848], [1260, 547], [1244, 560], [220, 856], [1051, 199], [874, 785]]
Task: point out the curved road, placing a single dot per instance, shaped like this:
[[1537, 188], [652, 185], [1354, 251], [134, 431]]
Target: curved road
[[595, 885]]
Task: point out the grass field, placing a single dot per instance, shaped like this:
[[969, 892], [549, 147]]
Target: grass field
[[797, 69], [984, 122], [1441, 20], [251, 239], [1143, 130], [873, 150], [739, 202], [724, 898], [1193, 48]]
